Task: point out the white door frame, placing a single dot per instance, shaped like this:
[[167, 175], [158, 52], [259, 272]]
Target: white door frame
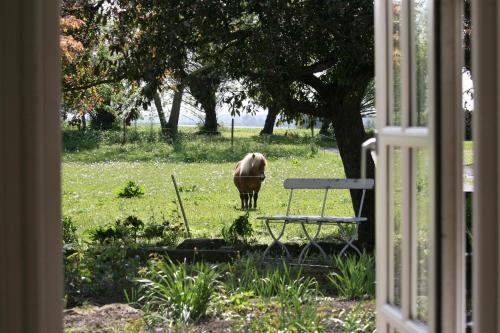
[[407, 137], [446, 136]]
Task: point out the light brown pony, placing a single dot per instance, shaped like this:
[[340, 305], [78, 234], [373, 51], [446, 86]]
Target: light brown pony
[[248, 176]]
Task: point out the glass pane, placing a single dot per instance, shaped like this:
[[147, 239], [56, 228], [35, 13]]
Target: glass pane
[[421, 40], [396, 63], [422, 232], [396, 215]]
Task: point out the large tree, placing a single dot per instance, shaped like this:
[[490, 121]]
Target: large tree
[[322, 51], [317, 54]]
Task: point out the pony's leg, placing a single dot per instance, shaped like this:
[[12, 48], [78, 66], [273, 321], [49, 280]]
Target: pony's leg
[[255, 196], [242, 198], [250, 196]]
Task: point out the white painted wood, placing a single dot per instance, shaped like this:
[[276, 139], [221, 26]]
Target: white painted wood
[[407, 138], [451, 211], [313, 219], [383, 21], [328, 183], [406, 227], [405, 48]]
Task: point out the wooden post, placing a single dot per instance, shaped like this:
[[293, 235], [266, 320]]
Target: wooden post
[[232, 133], [182, 207]]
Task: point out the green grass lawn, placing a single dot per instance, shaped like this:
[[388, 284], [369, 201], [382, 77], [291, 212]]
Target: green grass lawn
[[468, 152], [95, 164]]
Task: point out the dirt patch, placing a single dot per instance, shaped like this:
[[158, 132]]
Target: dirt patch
[[107, 318], [123, 318]]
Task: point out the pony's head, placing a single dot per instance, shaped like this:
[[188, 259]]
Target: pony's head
[[254, 164]]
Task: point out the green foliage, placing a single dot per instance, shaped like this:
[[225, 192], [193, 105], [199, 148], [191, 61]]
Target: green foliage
[[165, 233], [103, 118], [100, 272], [174, 292], [355, 277], [289, 297], [109, 232], [359, 319], [69, 231], [132, 231], [130, 190], [240, 230], [105, 146], [288, 316], [269, 281]]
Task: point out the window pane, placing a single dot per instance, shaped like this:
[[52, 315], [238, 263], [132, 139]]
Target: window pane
[[396, 215], [422, 233], [421, 49], [396, 64]]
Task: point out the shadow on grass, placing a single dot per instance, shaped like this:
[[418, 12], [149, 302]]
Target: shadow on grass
[[188, 146]]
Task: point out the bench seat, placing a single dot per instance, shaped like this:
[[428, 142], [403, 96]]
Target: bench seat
[[312, 219], [343, 222]]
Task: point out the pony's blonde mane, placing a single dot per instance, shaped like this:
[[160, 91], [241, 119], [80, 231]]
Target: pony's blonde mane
[[251, 162]]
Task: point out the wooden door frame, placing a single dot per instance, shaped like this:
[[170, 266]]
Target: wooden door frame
[[30, 236], [486, 124], [31, 284], [450, 264]]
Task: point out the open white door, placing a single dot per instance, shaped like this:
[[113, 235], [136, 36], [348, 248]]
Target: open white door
[[405, 186]]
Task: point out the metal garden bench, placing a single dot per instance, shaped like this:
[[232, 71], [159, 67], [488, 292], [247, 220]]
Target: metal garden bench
[[320, 220]]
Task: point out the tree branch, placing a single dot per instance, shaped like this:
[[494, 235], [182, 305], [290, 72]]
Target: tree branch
[[93, 84]]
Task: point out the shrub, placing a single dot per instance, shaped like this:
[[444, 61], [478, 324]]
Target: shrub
[[240, 230], [173, 292], [103, 118], [109, 232], [69, 231], [130, 190], [132, 225], [100, 272], [356, 276], [167, 233]]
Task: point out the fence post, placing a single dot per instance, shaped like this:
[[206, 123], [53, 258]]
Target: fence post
[[232, 132], [182, 207]]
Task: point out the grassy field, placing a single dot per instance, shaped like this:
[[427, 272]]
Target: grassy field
[[468, 153], [95, 164]]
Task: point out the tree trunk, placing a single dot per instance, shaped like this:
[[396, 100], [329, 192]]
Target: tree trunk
[[203, 87], [173, 120], [161, 114], [325, 125], [272, 114], [124, 133], [210, 126], [350, 134], [84, 123]]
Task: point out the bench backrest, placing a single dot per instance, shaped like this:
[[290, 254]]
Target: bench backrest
[[328, 183]]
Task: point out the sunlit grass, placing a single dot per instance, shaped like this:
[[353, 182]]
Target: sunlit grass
[[210, 198], [468, 152]]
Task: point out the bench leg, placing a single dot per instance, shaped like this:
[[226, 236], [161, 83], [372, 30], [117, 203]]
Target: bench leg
[[312, 242], [276, 240], [349, 243]]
